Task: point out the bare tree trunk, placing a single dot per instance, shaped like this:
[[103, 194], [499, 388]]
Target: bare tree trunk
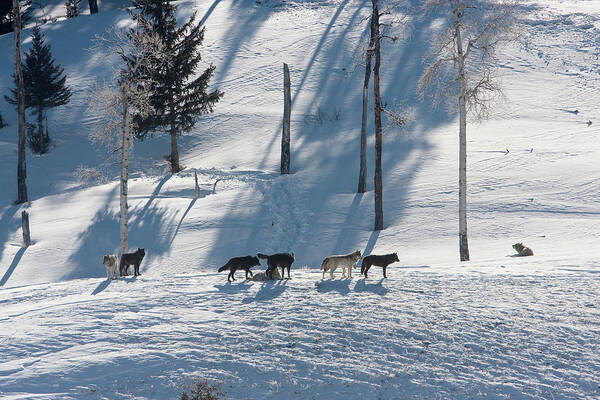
[[462, 157], [287, 110], [362, 176], [21, 166], [93, 6], [25, 228], [378, 129], [125, 149]]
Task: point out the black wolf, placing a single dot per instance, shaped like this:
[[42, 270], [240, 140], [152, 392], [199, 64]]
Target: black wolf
[[281, 260], [236, 263], [380, 261], [134, 259]]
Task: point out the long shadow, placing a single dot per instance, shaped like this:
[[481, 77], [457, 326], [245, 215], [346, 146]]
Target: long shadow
[[13, 266], [181, 220], [376, 288], [8, 225], [344, 242], [241, 32], [103, 285], [371, 243], [209, 11]]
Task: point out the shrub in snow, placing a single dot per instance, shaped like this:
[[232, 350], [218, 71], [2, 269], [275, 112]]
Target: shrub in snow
[[202, 390]]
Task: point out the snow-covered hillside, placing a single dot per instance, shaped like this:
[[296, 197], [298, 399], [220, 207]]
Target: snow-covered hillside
[[494, 327]]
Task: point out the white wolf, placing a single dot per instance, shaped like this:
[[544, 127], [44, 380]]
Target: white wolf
[[111, 261], [346, 261]]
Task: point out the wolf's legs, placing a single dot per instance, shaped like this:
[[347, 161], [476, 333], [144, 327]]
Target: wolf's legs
[[384, 275]]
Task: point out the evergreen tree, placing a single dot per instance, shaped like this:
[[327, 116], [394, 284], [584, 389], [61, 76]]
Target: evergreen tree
[[178, 98], [44, 86], [72, 8], [6, 14]]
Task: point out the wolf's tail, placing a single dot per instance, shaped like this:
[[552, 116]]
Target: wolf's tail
[[323, 265], [224, 268], [263, 256]]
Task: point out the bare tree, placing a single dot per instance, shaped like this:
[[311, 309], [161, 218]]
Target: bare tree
[[362, 176], [377, 112], [21, 166], [462, 65], [116, 105], [287, 110]]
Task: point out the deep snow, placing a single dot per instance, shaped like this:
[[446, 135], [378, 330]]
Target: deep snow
[[495, 327]]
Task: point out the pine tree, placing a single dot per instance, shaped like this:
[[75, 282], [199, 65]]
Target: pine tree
[[6, 14], [179, 99], [45, 86], [72, 7]]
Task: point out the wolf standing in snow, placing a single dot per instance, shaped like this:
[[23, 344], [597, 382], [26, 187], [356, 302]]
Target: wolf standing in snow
[[134, 259], [110, 261], [380, 261], [522, 251], [346, 261], [236, 263], [281, 260]]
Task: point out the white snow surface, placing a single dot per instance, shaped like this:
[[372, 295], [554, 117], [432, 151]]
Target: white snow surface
[[496, 327]]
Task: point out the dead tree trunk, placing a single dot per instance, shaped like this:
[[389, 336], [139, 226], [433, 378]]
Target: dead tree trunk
[[362, 176], [93, 6], [21, 166], [25, 227], [196, 187], [378, 128], [287, 110]]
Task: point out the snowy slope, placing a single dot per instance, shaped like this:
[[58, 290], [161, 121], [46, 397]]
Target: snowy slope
[[495, 327]]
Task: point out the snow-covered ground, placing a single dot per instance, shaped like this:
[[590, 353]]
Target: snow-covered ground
[[495, 327]]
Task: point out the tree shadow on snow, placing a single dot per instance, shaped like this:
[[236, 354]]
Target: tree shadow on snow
[[103, 285], [13, 265]]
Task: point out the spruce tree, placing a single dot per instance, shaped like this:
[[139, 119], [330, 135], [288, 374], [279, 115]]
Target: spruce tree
[[45, 87], [72, 7], [179, 96]]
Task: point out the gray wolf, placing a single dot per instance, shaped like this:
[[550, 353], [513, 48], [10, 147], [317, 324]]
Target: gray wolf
[[134, 259], [346, 261], [236, 263], [110, 261], [380, 261], [522, 251], [281, 260]]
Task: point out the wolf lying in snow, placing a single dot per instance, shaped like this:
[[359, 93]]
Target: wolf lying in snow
[[110, 261], [380, 261], [522, 251], [281, 260], [346, 261], [236, 263]]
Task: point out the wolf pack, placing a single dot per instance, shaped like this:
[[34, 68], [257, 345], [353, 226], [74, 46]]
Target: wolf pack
[[278, 261]]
